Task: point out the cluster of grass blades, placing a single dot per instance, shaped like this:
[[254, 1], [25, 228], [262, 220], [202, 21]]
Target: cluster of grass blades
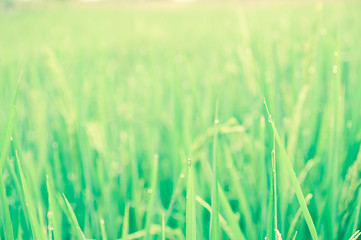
[[228, 223], [106, 89]]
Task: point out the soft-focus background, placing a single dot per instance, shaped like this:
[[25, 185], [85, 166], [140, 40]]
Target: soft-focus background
[[116, 97]]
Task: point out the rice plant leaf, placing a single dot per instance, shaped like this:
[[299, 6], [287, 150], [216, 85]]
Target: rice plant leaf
[[35, 226], [214, 226], [191, 208], [223, 223], [293, 177], [157, 229], [54, 228], [6, 133], [73, 220], [152, 192], [125, 223], [163, 227], [296, 219], [5, 211], [102, 229]]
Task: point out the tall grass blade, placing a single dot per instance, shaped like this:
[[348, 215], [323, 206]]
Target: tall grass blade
[[294, 180], [102, 230], [152, 192], [223, 223], [163, 227], [191, 232], [125, 228], [54, 228], [73, 220], [37, 233], [5, 134], [214, 228], [5, 210], [295, 220]]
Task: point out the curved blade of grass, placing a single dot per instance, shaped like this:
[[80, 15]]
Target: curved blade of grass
[[270, 210], [157, 229], [356, 235], [214, 228], [163, 227], [125, 223], [5, 211], [151, 200], [228, 212], [4, 147], [294, 180], [35, 226], [73, 220], [191, 232], [5, 136], [239, 191], [54, 226], [222, 221], [102, 229], [274, 175], [18, 187], [295, 220]]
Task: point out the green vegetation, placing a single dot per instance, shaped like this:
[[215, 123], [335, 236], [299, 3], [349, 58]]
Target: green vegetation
[[149, 121]]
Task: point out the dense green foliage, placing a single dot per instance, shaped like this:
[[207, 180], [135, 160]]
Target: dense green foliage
[[116, 131]]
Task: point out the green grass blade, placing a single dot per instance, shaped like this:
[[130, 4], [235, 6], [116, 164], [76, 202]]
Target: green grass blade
[[230, 216], [152, 192], [294, 180], [5, 134], [222, 220], [356, 235], [237, 187], [191, 227], [214, 228], [224, 202], [5, 210], [270, 211], [295, 220], [102, 229], [163, 227], [37, 233], [274, 175], [125, 223], [54, 228], [155, 230], [73, 220]]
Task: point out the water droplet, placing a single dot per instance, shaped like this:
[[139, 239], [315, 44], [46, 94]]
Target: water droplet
[[50, 228], [71, 176], [189, 161], [216, 121], [150, 190], [334, 69], [270, 118], [11, 138], [181, 175], [311, 70], [349, 124], [102, 221], [323, 31]]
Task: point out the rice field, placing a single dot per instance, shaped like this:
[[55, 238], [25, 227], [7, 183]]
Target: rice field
[[190, 121]]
